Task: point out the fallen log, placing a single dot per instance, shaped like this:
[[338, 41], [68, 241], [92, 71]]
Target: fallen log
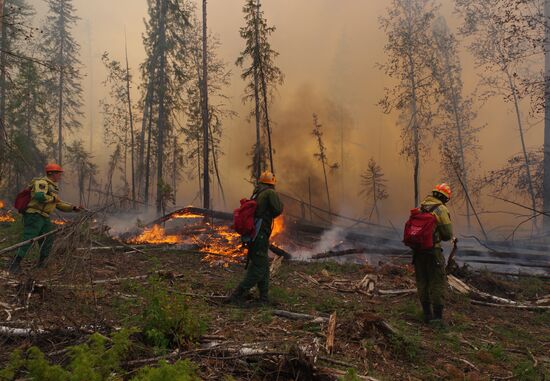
[[397, 292], [516, 306], [299, 316], [340, 253], [192, 210], [465, 289], [279, 251]]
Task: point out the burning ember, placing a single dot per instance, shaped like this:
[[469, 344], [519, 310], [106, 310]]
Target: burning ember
[[58, 222], [156, 236], [2, 204]]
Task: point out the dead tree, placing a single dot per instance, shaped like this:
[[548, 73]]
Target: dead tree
[[322, 156], [205, 112]]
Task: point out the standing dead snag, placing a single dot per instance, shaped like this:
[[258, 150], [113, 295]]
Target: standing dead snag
[[331, 329], [322, 156]]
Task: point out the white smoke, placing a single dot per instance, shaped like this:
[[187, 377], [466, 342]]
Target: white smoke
[[328, 241]]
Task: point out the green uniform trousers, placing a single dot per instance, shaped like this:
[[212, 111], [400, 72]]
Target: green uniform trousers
[[257, 272], [431, 280], [34, 225]]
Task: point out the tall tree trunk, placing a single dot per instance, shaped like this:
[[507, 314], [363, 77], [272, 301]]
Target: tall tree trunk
[[216, 168], [261, 72], [257, 152], [3, 64], [131, 117], [546, 179], [459, 128], [414, 119], [162, 112], [60, 95], [524, 148], [205, 111], [148, 158]]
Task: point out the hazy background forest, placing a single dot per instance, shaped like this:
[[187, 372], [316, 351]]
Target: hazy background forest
[[330, 54]]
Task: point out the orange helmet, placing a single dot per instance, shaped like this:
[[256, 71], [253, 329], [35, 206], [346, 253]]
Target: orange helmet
[[267, 178], [444, 189], [53, 168]]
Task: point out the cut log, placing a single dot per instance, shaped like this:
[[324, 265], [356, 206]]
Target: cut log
[[368, 283], [275, 265], [331, 329]]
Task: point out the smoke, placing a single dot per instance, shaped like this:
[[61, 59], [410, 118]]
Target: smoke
[[128, 222], [328, 241]]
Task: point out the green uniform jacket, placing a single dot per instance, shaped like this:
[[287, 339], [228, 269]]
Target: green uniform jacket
[[269, 206], [444, 229], [45, 198]]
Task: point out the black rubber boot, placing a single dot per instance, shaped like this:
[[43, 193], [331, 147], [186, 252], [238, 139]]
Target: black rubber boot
[[264, 300], [42, 262], [15, 267], [427, 309], [237, 297], [437, 321]]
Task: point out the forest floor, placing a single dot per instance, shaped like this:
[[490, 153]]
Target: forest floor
[[174, 300]]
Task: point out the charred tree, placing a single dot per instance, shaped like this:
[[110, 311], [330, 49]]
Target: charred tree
[[205, 112], [322, 156], [131, 120]]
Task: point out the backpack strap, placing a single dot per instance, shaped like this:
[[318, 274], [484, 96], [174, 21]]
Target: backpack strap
[[429, 209]]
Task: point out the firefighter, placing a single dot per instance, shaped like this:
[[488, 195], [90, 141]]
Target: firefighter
[[36, 217], [257, 273], [429, 265]]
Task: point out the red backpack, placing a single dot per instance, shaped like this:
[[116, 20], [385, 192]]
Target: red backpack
[[419, 229], [243, 218], [22, 200]]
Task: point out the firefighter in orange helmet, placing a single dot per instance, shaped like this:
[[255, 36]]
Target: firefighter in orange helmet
[[36, 216], [429, 265], [257, 273]]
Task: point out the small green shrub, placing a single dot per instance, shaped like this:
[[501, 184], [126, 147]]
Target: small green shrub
[[166, 318], [97, 360], [351, 375], [182, 370]]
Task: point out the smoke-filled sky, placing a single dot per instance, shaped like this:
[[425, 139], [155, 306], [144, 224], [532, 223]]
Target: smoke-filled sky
[[328, 53]]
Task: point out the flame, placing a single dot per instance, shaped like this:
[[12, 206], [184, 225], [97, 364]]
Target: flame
[[58, 222], [156, 235], [278, 226], [2, 204], [7, 217], [187, 215], [223, 244]]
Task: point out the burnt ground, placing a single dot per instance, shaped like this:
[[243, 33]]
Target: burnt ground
[[479, 343]]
